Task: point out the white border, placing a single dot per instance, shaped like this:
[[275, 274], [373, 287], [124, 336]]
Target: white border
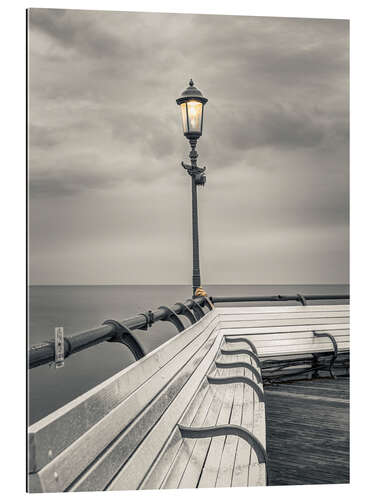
[[13, 226]]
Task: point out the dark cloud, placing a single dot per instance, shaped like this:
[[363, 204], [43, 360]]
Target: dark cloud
[[106, 144], [72, 175]]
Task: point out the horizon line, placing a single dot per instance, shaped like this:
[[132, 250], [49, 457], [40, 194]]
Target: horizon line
[[184, 284]]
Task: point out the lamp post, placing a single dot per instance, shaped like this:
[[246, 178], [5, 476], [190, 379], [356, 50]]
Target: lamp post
[[191, 104]]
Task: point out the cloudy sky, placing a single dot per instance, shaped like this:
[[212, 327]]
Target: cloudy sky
[[109, 201]]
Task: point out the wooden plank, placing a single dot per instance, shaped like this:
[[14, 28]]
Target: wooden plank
[[257, 471], [192, 472], [283, 315], [244, 450], [311, 322], [263, 351], [320, 432], [158, 472], [211, 467], [77, 457], [225, 473], [255, 422], [282, 308], [176, 471], [172, 479], [285, 342], [289, 335], [280, 329], [51, 435], [133, 472], [128, 443]]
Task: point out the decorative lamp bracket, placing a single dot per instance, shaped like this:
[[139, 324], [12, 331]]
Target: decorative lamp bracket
[[196, 172]]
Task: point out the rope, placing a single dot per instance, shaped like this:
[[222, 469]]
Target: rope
[[200, 292]]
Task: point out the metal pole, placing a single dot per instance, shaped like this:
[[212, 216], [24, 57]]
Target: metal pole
[[197, 179], [193, 155], [196, 269]]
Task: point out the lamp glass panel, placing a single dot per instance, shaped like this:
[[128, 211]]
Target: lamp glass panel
[[184, 117], [195, 116]]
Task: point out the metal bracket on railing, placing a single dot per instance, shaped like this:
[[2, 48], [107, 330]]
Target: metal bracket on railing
[[186, 312], [173, 318], [198, 310], [149, 316], [125, 336], [208, 302], [59, 347], [335, 350], [301, 298]]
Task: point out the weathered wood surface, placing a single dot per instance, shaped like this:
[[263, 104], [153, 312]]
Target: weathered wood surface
[[308, 432], [124, 433], [56, 432]]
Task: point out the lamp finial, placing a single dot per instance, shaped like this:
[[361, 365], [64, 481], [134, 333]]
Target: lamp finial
[[191, 83]]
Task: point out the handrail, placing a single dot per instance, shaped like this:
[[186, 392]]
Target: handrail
[[279, 298], [44, 352]]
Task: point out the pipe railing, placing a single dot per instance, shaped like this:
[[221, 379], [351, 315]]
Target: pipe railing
[[279, 298], [121, 331], [44, 352]]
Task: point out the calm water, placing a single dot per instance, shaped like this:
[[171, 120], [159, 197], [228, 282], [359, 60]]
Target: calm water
[[79, 308]]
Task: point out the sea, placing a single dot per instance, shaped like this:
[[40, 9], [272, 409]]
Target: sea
[[79, 308]]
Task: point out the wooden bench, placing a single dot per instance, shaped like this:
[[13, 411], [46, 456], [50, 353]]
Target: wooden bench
[[146, 427], [189, 414], [287, 333]]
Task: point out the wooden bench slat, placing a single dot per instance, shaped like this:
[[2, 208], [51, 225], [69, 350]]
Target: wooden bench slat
[[257, 471], [134, 471], [289, 335], [110, 463], [172, 478], [244, 450], [281, 309], [161, 467], [283, 316], [300, 349], [275, 343], [54, 433], [211, 468], [224, 477], [124, 433], [83, 451], [239, 332], [194, 466], [311, 322]]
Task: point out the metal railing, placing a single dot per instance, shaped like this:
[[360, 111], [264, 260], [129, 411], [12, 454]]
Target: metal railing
[[279, 298], [121, 331]]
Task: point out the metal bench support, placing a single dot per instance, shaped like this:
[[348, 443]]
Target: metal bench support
[[234, 380], [227, 430], [240, 364], [228, 352]]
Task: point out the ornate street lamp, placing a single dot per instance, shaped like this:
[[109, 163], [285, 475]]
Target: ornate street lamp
[[192, 103]]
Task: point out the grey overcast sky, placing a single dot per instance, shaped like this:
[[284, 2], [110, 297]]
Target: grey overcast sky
[[109, 201]]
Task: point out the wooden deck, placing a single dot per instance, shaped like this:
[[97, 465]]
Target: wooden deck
[[308, 432], [189, 414]]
